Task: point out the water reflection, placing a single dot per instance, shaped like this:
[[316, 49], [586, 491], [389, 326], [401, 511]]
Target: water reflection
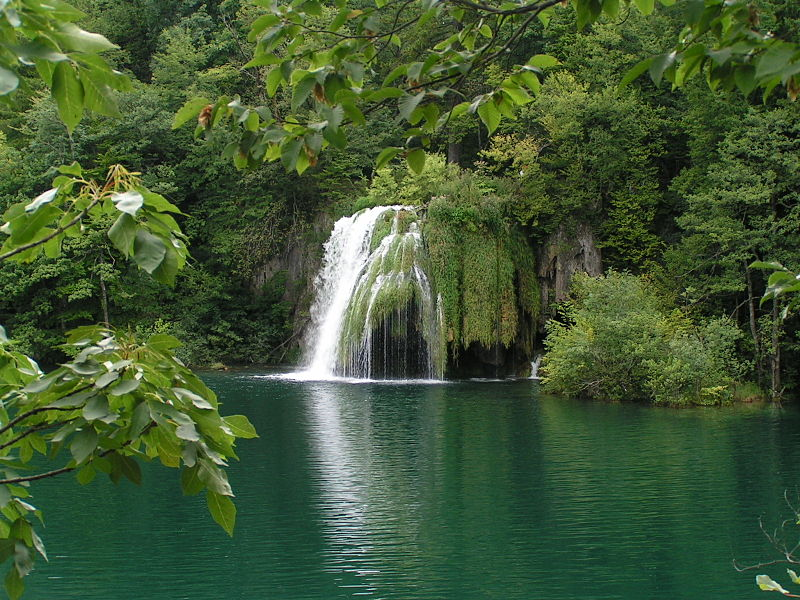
[[463, 491]]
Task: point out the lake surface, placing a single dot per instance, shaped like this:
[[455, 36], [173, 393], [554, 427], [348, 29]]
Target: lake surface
[[454, 491]]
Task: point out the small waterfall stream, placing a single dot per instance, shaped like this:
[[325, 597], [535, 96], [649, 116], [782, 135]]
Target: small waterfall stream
[[375, 314]]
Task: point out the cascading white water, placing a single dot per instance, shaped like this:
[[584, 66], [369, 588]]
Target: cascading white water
[[535, 366], [374, 315]]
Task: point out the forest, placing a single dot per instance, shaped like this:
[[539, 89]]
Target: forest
[[677, 189], [597, 186]]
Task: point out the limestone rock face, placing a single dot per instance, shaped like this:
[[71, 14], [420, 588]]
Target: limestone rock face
[[571, 249]]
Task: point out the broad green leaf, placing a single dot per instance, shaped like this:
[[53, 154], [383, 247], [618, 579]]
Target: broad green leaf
[[73, 37], [777, 61], [188, 432], [240, 426], [191, 483], [98, 95], [195, 399], [30, 226], [128, 202], [416, 160], [148, 250], [8, 81], [659, 64], [222, 510], [274, 79], [83, 444], [766, 265], [124, 387], [41, 199], [163, 342], [189, 111], [123, 233], [68, 93], [645, 6], [543, 61], [301, 91], [408, 103], [96, 408], [635, 72], [14, 584], [386, 155], [766, 583], [490, 115], [86, 475], [745, 77]]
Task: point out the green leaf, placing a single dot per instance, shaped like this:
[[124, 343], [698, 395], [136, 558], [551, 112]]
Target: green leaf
[[125, 465], [14, 584], [274, 79], [191, 483], [777, 61], [386, 155], [767, 265], [302, 90], [123, 233], [222, 510], [188, 432], [83, 444], [73, 37], [8, 81], [96, 408], [86, 475], [408, 103], [68, 93], [28, 226], [124, 387], [490, 115], [189, 111], [745, 77], [416, 160], [128, 202], [240, 426], [659, 64], [543, 61], [98, 95], [645, 6], [163, 342], [195, 399], [148, 250], [766, 583], [635, 72], [41, 199]]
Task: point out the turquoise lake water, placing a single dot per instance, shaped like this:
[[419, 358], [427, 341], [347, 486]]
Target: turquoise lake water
[[466, 490]]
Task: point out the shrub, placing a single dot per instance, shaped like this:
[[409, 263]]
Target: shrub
[[615, 342]]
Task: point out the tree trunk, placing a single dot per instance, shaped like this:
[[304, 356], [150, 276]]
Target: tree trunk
[[104, 300], [751, 308], [453, 152], [776, 352]]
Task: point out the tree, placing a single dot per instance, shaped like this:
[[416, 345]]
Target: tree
[[118, 400], [330, 59]]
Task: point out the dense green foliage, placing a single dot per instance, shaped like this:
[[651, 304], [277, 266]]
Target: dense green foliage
[[615, 341]]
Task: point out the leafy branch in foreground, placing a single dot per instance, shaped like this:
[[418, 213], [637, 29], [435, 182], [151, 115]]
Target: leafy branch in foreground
[[43, 34], [118, 400], [331, 62]]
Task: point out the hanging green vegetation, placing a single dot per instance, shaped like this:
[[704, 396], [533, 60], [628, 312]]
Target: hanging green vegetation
[[482, 267]]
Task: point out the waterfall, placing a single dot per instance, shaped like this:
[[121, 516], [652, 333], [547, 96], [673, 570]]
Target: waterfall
[[375, 314], [537, 360]]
